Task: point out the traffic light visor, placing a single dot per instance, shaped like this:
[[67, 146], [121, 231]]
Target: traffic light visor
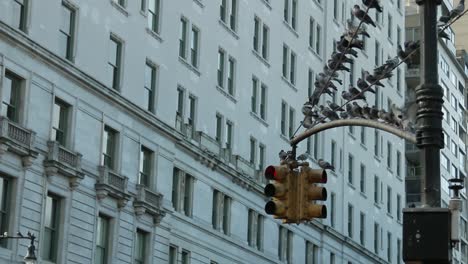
[[276, 172]]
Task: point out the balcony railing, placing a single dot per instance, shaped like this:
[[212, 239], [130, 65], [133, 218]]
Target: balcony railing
[[112, 184], [149, 202], [64, 162], [17, 139]]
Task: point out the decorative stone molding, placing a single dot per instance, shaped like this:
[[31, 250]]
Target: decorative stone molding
[[112, 184], [62, 161], [150, 202], [18, 140]]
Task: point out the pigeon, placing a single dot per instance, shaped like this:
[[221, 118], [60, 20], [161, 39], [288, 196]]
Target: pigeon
[[283, 155], [356, 109], [344, 115], [308, 123], [372, 79], [361, 15], [389, 65], [338, 66], [19, 234], [334, 106], [302, 157], [374, 112], [354, 30], [341, 57], [456, 11], [329, 72], [325, 165], [324, 76], [366, 112], [330, 114], [364, 86], [307, 109], [356, 93], [349, 42], [344, 49], [315, 97], [373, 4], [443, 34], [324, 83]]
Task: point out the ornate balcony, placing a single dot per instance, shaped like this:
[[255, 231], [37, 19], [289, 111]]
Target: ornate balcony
[[64, 162], [112, 184], [17, 139], [149, 202]]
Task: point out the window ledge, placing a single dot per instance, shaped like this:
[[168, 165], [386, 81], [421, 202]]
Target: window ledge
[[289, 83], [377, 158], [190, 66], [199, 3], [144, 13], [291, 29], [261, 58], [284, 138], [389, 215], [377, 205], [154, 34], [229, 96], [363, 194], [259, 119], [363, 146], [120, 8], [351, 135], [267, 4], [315, 53], [230, 30], [351, 186], [318, 4], [399, 178], [364, 52]]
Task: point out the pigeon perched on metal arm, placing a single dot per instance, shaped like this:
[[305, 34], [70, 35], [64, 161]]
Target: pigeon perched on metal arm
[[373, 4], [361, 15], [354, 30], [364, 86], [325, 165], [326, 77], [456, 11], [372, 79]]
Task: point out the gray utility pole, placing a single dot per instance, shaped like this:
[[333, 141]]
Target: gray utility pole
[[426, 230]]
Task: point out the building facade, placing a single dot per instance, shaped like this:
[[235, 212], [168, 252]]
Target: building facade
[[137, 132], [453, 79]]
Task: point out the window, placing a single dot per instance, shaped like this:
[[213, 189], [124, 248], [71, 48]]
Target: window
[[283, 118], [398, 204], [60, 118], [194, 42], [335, 9], [398, 32], [150, 86], [291, 122], [377, 58], [172, 254], [19, 14], [350, 220], [219, 128], [350, 168], [332, 258], [376, 238], [255, 230], [390, 26], [389, 155], [221, 217], [102, 240], [376, 142], [120, 2], [154, 11], [398, 80], [228, 13], [289, 65], [141, 242], [180, 103], [261, 38], [221, 63], [363, 135], [362, 181], [311, 253], [185, 257], [398, 163], [376, 189], [389, 247], [333, 150], [285, 244], [115, 62], [290, 13], [389, 200], [261, 158], [318, 37], [67, 32], [253, 147], [362, 227], [192, 112], [332, 209], [398, 240], [11, 94], [5, 188], [51, 228], [146, 156], [182, 191], [109, 143], [229, 131], [224, 69]]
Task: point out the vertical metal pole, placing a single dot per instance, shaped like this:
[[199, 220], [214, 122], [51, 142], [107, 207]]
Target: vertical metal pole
[[429, 96]]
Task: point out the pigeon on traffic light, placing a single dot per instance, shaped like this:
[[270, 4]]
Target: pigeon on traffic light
[[338, 66], [344, 49], [356, 109], [323, 76], [307, 109], [366, 112], [337, 56], [334, 106], [302, 157], [353, 30], [456, 11], [328, 113], [330, 72], [308, 123], [344, 115], [325, 165], [372, 79], [364, 86], [283, 155], [373, 4], [361, 15]]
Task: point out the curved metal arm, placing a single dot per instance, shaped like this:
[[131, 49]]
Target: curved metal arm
[[353, 122]]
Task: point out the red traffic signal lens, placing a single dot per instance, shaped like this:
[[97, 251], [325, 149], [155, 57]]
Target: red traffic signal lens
[[270, 173]]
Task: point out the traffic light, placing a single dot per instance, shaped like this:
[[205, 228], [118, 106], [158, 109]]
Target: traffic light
[[282, 190], [310, 192]]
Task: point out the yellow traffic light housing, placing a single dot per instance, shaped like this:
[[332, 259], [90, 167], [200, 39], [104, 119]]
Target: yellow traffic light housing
[[310, 192], [282, 190]]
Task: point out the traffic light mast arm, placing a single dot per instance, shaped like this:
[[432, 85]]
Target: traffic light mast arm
[[353, 122]]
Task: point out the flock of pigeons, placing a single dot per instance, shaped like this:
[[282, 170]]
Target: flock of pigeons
[[347, 46]]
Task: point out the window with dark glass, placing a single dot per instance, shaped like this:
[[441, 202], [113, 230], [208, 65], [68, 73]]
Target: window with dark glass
[[150, 86], [154, 11], [66, 32], [109, 147], [140, 246], [19, 14], [114, 64], [5, 188], [12, 86], [145, 166], [102, 240], [51, 228], [60, 118], [183, 38]]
